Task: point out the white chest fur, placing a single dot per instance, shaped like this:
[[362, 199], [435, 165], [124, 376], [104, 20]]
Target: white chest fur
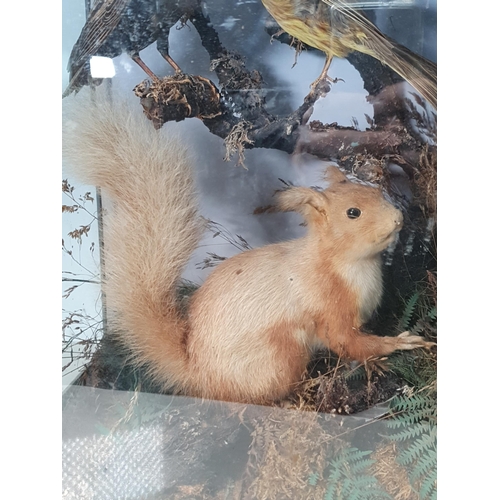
[[365, 279]]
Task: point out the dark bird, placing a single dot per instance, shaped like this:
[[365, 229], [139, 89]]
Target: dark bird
[[117, 26], [336, 28]]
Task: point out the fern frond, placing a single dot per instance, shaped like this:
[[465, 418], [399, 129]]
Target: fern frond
[[424, 466], [348, 478], [415, 450], [417, 329], [411, 404], [360, 466], [415, 418], [409, 431], [334, 475], [404, 321], [359, 373], [411, 417], [428, 487], [363, 488], [432, 314], [352, 455], [313, 479], [330, 491], [403, 365]]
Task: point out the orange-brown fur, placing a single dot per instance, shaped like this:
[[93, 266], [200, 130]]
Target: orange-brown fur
[[251, 327]]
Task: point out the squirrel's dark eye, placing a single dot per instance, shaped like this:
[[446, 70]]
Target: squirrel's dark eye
[[353, 213]]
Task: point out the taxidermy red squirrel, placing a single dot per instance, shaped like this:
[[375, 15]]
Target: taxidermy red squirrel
[[252, 326]]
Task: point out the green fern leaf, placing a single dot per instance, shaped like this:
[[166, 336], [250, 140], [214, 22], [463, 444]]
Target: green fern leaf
[[330, 491], [411, 431], [313, 479], [348, 478], [428, 488], [417, 329], [359, 373], [353, 455], [426, 463], [411, 417], [360, 466], [335, 473], [409, 309], [414, 419], [416, 449], [432, 314], [405, 403]]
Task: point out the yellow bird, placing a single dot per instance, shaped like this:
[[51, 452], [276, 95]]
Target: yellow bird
[[336, 28]]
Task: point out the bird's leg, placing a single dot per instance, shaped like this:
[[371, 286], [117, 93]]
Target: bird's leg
[[323, 78], [299, 47], [326, 67], [136, 58], [172, 63], [162, 46], [276, 35]]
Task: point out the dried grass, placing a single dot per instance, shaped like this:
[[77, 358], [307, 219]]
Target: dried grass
[[391, 475]]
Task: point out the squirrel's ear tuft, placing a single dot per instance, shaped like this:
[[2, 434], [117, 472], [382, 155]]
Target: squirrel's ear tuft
[[308, 202], [334, 176]]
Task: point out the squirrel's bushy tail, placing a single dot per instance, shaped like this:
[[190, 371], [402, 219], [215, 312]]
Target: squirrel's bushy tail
[[150, 230]]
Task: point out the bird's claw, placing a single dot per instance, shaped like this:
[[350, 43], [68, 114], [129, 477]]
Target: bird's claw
[[321, 86], [335, 80]]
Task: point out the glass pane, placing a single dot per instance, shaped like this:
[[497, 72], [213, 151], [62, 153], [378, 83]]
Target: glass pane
[[256, 358]]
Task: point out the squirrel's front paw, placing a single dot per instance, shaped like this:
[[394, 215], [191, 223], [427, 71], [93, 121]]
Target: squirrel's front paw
[[406, 342]]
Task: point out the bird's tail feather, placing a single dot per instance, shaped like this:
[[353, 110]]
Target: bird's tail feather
[[416, 70]]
